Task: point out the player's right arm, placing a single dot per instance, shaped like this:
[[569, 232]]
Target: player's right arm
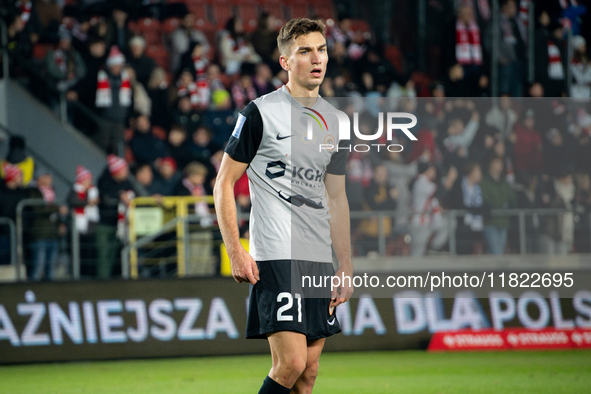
[[240, 150], [244, 268]]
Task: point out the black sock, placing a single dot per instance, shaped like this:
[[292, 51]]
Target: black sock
[[272, 387]]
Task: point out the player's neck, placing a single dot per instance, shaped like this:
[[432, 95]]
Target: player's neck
[[304, 96]]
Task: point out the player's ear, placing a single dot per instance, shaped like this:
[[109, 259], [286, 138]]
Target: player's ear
[[283, 62]]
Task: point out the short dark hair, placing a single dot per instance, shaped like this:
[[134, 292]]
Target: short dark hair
[[298, 27]]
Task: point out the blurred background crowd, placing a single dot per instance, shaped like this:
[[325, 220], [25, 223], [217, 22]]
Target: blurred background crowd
[[501, 95]]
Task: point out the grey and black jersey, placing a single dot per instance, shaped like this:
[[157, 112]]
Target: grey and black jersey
[[289, 218]]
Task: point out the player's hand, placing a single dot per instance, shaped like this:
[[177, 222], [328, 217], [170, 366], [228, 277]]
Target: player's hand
[[342, 293], [244, 268]]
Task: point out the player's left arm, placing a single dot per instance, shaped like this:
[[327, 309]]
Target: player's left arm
[[340, 234]]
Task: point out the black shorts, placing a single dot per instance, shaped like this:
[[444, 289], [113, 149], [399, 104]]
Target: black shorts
[[278, 302]]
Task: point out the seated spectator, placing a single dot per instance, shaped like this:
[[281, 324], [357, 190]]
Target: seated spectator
[[181, 38], [496, 194], [234, 48], [11, 193], [115, 194], [158, 93], [146, 147], [142, 64], [16, 155], [427, 222], [178, 145], [528, 145], [65, 65], [467, 195], [47, 224], [185, 115], [167, 178]]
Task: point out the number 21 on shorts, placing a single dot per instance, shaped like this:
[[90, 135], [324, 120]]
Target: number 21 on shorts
[[280, 312]]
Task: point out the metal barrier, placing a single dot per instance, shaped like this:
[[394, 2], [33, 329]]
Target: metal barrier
[[12, 234], [452, 215], [179, 208]]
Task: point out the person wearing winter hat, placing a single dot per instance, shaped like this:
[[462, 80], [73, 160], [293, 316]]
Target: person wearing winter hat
[[115, 194], [113, 101], [167, 177], [64, 64]]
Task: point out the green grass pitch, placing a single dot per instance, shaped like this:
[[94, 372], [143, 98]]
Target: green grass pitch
[[342, 373]]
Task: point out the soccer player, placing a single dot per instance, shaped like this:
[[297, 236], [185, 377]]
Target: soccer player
[[299, 210]]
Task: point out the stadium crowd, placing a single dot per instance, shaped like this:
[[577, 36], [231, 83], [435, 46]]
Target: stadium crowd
[[167, 82]]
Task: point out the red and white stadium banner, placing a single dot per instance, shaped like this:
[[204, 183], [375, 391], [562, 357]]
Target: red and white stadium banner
[[510, 338]]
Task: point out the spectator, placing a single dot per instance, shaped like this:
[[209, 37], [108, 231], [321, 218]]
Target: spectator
[[262, 79], [142, 64], [198, 93], [496, 194], [158, 93], [467, 45], [264, 38], [196, 61], [113, 100], [502, 117], [85, 90], [528, 145], [550, 56], [11, 193], [582, 207], [192, 184], [581, 69], [234, 49], [167, 178], [47, 225], [512, 51], [178, 145], [558, 149], [83, 200], [145, 176], [141, 101], [65, 65], [146, 147], [399, 176], [460, 136], [181, 38], [186, 116], [427, 221], [529, 198], [558, 233], [455, 84], [243, 91], [466, 194], [379, 196], [117, 34], [115, 194], [205, 151], [16, 155]]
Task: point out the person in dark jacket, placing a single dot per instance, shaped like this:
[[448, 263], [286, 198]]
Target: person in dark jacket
[[115, 194], [11, 193], [142, 64], [167, 177], [146, 148], [17, 156]]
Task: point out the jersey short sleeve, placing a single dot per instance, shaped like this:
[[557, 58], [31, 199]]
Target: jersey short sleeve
[[247, 135], [338, 161]]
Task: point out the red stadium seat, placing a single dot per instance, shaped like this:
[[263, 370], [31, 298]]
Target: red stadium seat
[[274, 8], [299, 10], [323, 11], [160, 55], [394, 56], [249, 14]]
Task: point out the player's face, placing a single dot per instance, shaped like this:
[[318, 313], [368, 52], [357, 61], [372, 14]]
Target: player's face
[[306, 62]]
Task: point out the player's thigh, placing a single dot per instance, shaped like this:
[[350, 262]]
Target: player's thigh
[[288, 347], [314, 349]]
